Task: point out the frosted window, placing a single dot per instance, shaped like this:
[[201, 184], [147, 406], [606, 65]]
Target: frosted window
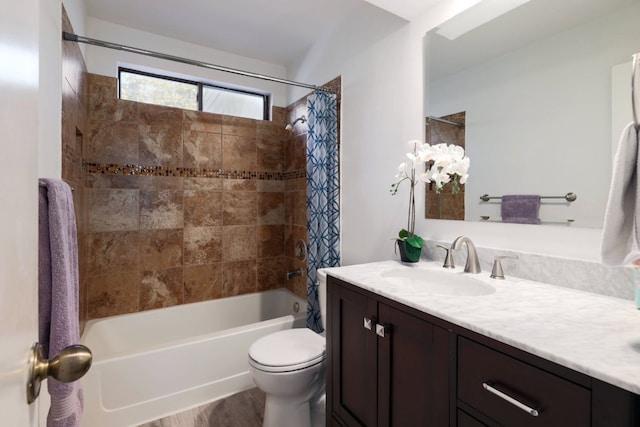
[[233, 103]]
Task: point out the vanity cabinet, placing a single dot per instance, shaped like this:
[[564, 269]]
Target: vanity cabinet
[[386, 367], [393, 365]]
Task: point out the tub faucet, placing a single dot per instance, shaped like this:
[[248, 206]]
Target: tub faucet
[[295, 273], [473, 264]]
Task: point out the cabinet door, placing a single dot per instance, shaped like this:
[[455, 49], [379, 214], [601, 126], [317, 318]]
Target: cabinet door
[[413, 375], [353, 359]]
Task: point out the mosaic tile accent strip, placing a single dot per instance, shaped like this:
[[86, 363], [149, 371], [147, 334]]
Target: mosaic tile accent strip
[[141, 170]]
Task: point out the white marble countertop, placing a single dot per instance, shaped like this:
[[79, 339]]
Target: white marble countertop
[[590, 333]]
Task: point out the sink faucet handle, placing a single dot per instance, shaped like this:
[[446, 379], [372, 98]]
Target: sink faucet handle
[[448, 258], [497, 272], [473, 263]]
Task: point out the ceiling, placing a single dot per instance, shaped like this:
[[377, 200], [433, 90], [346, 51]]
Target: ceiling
[[281, 31], [276, 31], [526, 24]]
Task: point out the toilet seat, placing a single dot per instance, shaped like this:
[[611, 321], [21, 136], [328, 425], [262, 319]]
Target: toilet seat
[[289, 350]]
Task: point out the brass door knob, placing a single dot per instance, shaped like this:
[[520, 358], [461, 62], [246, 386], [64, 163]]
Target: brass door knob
[[67, 366]]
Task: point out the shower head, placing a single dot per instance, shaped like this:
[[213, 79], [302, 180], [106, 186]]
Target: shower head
[[302, 119]]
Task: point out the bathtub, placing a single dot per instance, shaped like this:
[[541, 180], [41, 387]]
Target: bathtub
[[155, 363]]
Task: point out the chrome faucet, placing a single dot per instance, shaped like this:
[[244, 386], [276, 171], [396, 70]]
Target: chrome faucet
[[473, 264]]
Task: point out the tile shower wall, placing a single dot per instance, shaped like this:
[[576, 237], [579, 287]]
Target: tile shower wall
[[74, 130], [445, 205], [182, 206], [295, 196]]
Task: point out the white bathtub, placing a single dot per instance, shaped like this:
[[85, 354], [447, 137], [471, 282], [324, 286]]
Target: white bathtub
[[151, 364]]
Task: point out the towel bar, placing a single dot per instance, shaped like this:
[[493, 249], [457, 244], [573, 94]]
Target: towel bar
[[568, 221], [42, 184], [569, 197]]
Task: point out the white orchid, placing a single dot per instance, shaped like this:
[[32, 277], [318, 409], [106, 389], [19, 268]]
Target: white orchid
[[438, 175], [440, 164], [463, 178], [402, 171], [444, 164], [459, 167]]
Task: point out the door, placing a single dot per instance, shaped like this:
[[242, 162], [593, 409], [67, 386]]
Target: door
[[413, 373], [352, 363], [19, 86]]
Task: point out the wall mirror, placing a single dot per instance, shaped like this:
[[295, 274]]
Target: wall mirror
[[542, 94]]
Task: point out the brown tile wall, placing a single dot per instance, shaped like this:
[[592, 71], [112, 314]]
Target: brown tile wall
[[445, 205], [74, 131], [295, 197], [178, 206], [183, 206]]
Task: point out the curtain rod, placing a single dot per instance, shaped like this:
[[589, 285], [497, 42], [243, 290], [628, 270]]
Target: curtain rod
[[81, 39], [438, 119]]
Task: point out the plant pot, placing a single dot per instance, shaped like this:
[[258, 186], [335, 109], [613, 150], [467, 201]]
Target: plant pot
[[408, 253]]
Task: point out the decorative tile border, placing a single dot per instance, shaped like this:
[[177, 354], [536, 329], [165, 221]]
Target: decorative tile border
[[141, 170]]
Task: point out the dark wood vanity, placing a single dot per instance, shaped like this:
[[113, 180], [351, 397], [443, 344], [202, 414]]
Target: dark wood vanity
[[393, 365]]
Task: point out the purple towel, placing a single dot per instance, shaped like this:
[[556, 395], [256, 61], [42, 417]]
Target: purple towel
[[520, 208], [58, 293]]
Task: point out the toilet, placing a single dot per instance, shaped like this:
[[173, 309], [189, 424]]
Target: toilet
[[289, 366]]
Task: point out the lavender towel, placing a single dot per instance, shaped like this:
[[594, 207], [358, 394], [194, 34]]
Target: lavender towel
[[520, 208], [58, 293], [620, 233]]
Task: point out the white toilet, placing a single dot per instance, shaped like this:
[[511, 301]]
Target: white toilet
[[289, 366]]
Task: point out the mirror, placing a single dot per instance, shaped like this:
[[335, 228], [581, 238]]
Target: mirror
[[543, 92]]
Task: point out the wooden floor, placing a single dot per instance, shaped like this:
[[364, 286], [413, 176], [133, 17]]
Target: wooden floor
[[243, 409]]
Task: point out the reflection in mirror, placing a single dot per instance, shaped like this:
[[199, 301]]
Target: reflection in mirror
[[543, 92], [444, 204]]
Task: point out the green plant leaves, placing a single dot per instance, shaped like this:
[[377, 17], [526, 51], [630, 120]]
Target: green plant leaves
[[414, 241]]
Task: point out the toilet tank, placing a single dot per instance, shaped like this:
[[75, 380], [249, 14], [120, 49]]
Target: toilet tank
[[322, 296]]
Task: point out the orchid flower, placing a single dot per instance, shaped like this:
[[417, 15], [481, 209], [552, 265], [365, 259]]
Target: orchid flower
[[444, 164]]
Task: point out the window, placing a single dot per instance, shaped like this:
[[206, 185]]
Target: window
[[191, 95], [232, 102], [159, 90]]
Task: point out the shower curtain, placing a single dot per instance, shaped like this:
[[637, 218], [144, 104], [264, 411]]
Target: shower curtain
[[323, 208]]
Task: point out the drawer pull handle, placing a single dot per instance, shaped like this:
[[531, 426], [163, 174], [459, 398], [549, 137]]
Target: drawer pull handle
[[527, 409]]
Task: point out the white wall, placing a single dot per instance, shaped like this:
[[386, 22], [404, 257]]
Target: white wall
[[382, 107], [382, 85], [50, 76], [538, 119], [105, 61], [375, 121]]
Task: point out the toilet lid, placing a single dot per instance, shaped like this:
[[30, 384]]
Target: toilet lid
[[287, 348]]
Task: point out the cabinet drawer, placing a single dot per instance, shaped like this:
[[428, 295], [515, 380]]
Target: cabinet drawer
[[502, 387], [466, 420]]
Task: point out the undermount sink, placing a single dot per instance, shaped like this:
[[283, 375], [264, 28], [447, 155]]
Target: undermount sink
[[438, 282]]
